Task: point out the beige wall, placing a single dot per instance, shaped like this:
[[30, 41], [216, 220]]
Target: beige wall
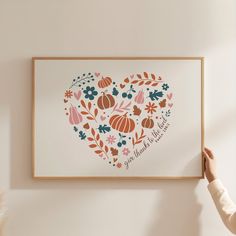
[[114, 28]]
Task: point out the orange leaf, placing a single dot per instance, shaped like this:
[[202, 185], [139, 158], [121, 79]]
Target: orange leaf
[[90, 118], [145, 74], [98, 151], [92, 145], [95, 112], [139, 76], [148, 82], [98, 137], [134, 82], [106, 149], [153, 76], [93, 131], [84, 113], [83, 103], [133, 141], [90, 139], [141, 83], [101, 143], [154, 84], [89, 105]]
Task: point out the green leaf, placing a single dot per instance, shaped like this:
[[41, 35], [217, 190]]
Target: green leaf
[[104, 129], [155, 95], [82, 135]]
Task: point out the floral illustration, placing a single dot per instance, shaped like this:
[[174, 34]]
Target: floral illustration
[[151, 107], [90, 92], [165, 86], [68, 94], [126, 151], [115, 117], [111, 139]]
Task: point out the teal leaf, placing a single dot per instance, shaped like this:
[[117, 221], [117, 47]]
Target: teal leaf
[[104, 129], [155, 95]]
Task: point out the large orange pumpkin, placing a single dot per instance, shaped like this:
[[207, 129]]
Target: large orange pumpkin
[[105, 101], [122, 123], [104, 82], [148, 123]]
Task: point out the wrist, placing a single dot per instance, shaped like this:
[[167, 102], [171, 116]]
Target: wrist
[[211, 178]]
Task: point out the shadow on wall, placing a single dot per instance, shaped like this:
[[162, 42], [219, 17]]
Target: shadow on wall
[[177, 212]]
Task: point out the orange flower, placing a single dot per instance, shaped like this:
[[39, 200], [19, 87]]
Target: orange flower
[[151, 107], [68, 94]]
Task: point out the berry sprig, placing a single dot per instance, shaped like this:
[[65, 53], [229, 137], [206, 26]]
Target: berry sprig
[[121, 140], [129, 94]]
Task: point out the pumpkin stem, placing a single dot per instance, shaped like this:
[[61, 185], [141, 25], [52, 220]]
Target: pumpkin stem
[[125, 114]]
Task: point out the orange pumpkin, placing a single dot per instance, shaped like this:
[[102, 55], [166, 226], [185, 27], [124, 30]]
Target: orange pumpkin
[[148, 123], [104, 82], [122, 123], [105, 101]]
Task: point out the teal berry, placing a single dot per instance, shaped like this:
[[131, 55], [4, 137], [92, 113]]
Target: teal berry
[[123, 142], [119, 144], [130, 96], [124, 95]]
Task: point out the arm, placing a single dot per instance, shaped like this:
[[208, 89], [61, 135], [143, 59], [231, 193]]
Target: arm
[[220, 196], [224, 205]]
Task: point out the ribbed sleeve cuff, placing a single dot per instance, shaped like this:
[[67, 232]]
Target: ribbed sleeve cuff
[[215, 186]]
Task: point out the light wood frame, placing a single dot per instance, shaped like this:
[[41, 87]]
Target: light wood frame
[[201, 59]]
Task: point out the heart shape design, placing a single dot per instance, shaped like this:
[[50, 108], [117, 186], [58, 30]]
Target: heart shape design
[[117, 119]]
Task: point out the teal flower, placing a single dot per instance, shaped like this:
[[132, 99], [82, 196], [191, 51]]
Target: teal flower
[[165, 86], [90, 92]]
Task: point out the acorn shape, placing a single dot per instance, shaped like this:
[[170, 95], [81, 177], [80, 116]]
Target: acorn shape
[[104, 82], [148, 123], [122, 123], [105, 101], [75, 117]]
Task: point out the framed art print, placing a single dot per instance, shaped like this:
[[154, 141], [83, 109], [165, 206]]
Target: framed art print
[[118, 117]]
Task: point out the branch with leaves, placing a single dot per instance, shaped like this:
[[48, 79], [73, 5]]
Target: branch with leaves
[[145, 79], [97, 144], [138, 139], [89, 115], [78, 81], [121, 107]]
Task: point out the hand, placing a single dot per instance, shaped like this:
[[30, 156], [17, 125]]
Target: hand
[[209, 165]]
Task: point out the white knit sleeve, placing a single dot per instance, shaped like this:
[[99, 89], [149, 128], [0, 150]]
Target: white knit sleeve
[[224, 204]]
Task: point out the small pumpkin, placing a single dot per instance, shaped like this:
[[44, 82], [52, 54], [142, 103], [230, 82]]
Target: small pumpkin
[[104, 82], [122, 123], [105, 101], [74, 117], [139, 98], [148, 123]]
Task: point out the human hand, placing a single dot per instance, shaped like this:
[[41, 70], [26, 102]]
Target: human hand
[[209, 165]]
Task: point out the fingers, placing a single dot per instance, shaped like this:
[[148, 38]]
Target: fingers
[[209, 153]]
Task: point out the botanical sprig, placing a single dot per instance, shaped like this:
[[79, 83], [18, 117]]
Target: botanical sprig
[[89, 115]]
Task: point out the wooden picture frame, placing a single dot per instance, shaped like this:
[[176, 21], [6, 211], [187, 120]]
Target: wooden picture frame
[[45, 165]]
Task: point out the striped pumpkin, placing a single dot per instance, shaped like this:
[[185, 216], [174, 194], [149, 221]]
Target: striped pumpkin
[[122, 123], [104, 82], [148, 123], [105, 101]]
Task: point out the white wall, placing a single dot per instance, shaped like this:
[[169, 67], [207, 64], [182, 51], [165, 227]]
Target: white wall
[[114, 28]]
